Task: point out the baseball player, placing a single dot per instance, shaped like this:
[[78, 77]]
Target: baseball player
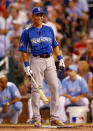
[[75, 90], [40, 38], [10, 105]]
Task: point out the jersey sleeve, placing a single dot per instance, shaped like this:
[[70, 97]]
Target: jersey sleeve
[[54, 42], [14, 91], [24, 41], [84, 86]]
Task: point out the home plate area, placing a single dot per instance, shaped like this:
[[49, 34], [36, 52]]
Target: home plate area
[[64, 126], [44, 126], [29, 127]]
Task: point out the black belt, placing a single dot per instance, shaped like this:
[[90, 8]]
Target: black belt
[[43, 55]]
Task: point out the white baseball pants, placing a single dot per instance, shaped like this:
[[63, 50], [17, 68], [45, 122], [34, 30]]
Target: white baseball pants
[[44, 68], [12, 113]]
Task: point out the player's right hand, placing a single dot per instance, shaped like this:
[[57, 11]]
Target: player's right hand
[[28, 71], [61, 64]]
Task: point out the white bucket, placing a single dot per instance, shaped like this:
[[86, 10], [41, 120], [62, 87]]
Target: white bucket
[[78, 114]]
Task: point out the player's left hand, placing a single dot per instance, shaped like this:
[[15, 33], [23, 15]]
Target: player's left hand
[[61, 64], [5, 108], [74, 100]]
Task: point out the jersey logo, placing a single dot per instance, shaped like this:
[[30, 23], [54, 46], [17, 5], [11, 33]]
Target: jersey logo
[[17, 93], [40, 40]]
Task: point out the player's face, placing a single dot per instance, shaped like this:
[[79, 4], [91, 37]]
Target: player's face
[[37, 19], [3, 82], [68, 62], [72, 74]]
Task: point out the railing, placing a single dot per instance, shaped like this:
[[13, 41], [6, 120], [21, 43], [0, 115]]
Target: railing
[[4, 62]]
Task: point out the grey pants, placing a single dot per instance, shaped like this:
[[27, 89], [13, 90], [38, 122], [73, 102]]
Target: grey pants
[[12, 113], [44, 68]]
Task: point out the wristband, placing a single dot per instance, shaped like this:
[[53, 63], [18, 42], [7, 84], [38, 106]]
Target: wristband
[[26, 64], [59, 57]]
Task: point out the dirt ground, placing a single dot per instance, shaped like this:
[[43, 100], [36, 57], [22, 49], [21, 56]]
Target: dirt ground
[[83, 127]]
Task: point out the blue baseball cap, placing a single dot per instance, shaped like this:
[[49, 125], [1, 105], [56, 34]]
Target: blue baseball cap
[[73, 67], [37, 10]]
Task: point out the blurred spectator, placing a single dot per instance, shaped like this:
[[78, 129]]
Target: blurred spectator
[[80, 46], [66, 2], [28, 4], [69, 51], [83, 69], [62, 21], [10, 105], [23, 90], [2, 23], [29, 18], [37, 3], [68, 61], [53, 19], [3, 31], [15, 14], [51, 24], [52, 14], [27, 83], [90, 29], [67, 43], [16, 71], [16, 31], [3, 6], [47, 3], [75, 17], [90, 3], [87, 55], [54, 4], [3, 46], [83, 6], [75, 89]]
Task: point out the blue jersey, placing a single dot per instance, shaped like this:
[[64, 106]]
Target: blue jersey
[[9, 93], [74, 88], [40, 40]]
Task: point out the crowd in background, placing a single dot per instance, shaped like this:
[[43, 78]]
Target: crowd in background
[[72, 22]]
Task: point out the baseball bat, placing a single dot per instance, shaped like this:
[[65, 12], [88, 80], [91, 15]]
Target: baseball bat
[[42, 95]]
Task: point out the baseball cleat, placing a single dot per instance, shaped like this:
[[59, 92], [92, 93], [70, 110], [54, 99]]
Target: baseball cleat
[[57, 123], [36, 123]]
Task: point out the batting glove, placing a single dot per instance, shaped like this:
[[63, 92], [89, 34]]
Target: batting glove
[[61, 64], [28, 71]]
